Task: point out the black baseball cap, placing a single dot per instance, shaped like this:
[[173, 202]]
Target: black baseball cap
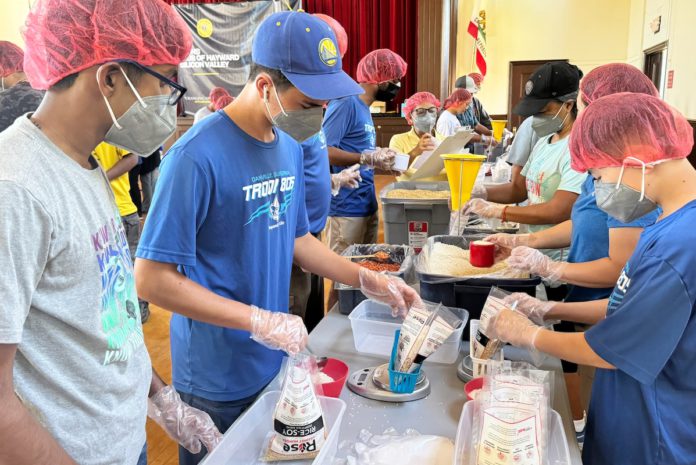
[[555, 80]]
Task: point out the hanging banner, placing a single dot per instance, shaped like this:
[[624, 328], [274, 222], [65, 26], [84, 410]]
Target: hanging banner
[[221, 54]]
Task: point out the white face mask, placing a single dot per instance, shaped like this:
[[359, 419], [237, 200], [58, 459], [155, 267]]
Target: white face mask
[[145, 126]]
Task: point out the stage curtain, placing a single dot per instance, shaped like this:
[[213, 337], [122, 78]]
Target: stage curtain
[[372, 24]]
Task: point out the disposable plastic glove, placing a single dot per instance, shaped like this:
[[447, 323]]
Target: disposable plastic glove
[[379, 158], [483, 208], [425, 144], [513, 328], [532, 308], [479, 192], [532, 260], [505, 243], [389, 290], [190, 427], [278, 330], [349, 177]]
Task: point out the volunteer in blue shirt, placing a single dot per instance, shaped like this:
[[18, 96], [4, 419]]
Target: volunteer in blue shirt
[[643, 341], [351, 136], [307, 289], [229, 217], [599, 244]]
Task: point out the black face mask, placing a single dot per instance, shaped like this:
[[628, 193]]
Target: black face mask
[[388, 94]]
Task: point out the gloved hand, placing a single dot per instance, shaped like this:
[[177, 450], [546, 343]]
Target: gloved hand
[[532, 308], [479, 192], [532, 260], [278, 330], [425, 144], [379, 158], [388, 290], [513, 328], [505, 243], [349, 177], [190, 427], [483, 208]]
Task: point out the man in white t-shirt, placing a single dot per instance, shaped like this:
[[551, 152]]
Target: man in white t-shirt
[[75, 374]]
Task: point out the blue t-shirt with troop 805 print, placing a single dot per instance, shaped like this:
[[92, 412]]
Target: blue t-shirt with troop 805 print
[[227, 210], [348, 126], [644, 411]]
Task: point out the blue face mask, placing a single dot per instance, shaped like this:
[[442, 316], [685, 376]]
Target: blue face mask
[[621, 201]]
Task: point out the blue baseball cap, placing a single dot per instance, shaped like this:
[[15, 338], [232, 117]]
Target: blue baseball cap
[[305, 50]]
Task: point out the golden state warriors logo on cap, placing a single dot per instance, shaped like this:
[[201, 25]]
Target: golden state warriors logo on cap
[[328, 52]]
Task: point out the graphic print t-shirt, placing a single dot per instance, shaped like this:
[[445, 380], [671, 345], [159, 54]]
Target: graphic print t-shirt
[[227, 211], [69, 301]]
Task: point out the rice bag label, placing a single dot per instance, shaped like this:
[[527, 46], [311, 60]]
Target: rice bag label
[[298, 420]]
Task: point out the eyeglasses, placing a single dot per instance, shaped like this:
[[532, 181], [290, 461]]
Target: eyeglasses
[[424, 111], [177, 91]]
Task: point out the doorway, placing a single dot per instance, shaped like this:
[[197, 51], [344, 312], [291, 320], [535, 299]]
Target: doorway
[[656, 66], [519, 75]]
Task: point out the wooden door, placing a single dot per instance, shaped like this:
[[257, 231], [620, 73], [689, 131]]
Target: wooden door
[[519, 75], [653, 67]]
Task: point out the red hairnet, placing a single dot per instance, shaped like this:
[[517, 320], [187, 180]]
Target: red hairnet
[[418, 99], [614, 78], [477, 77], [341, 35], [457, 97], [64, 37], [11, 58], [216, 93], [379, 66], [628, 125], [222, 101]]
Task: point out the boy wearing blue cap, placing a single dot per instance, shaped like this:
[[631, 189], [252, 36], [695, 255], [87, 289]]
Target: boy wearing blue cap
[[218, 249]]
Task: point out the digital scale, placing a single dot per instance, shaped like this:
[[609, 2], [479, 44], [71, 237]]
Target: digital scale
[[373, 383]]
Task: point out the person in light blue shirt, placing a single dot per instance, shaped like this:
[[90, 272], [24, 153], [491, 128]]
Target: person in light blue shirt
[[643, 341], [229, 219]]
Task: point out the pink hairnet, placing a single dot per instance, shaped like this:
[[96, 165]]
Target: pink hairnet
[[614, 78], [11, 58], [64, 37], [341, 35], [477, 77], [222, 101], [628, 125], [457, 97], [379, 66], [217, 92], [416, 99]]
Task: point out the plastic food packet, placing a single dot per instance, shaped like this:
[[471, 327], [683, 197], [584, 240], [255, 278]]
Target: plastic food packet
[[485, 348], [423, 331], [501, 171], [512, 415], [299, 430]]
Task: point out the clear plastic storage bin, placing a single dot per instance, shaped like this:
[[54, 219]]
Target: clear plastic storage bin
[[373, 332], [244, 441], [557, 451]]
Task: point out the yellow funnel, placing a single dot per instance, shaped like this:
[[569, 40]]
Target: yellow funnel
[[498, 126], [462, 170]]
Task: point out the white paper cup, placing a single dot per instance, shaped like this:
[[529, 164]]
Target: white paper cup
[[401, 162]]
